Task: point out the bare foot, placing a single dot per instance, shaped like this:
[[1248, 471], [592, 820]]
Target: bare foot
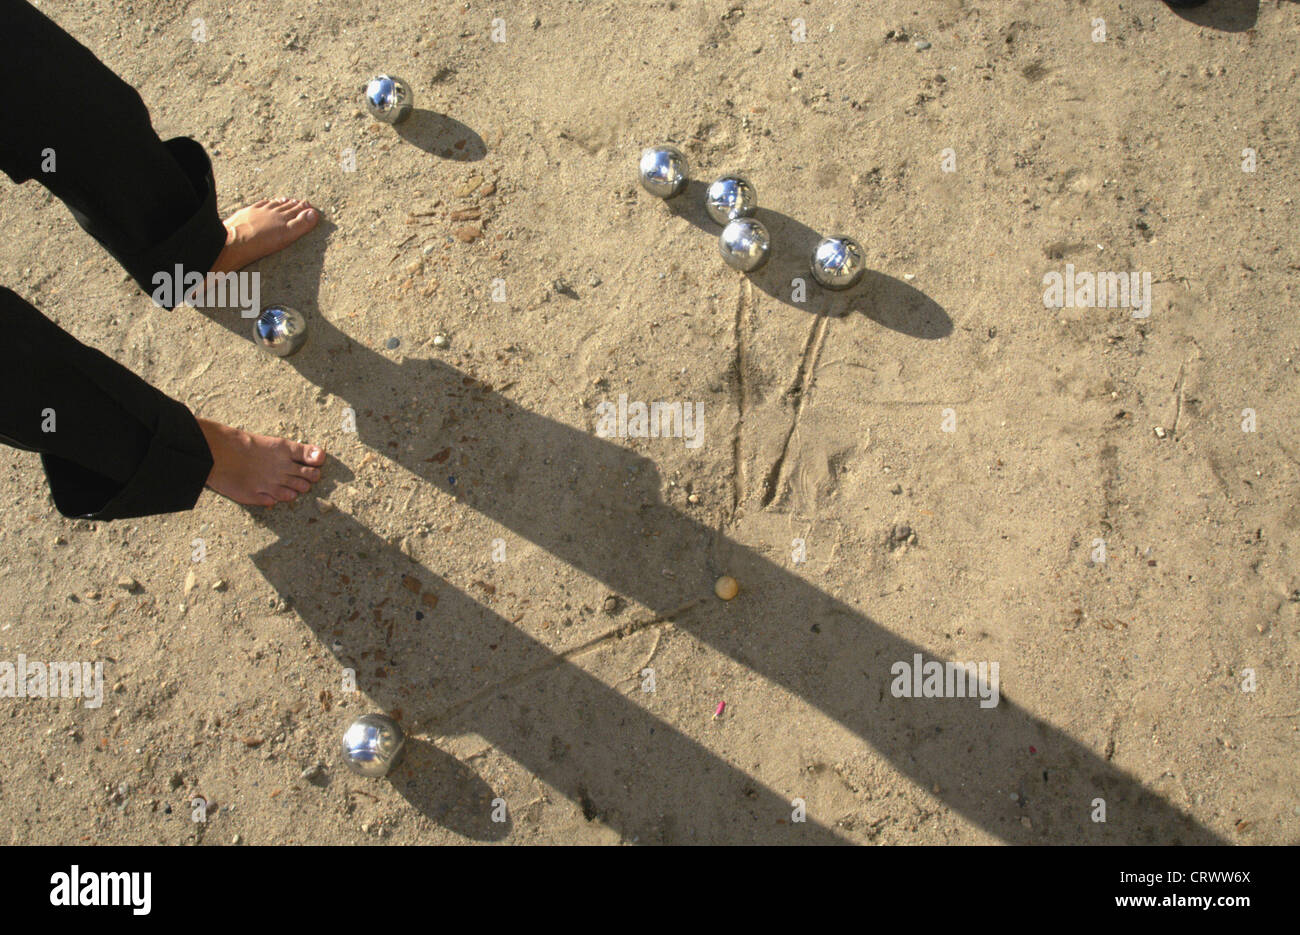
[[256, 470], [261, 229]]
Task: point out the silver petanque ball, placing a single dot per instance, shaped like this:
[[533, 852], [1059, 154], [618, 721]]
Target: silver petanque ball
[[372, 744], [663, 171], [280, 330], [389, 98], [731, 197], [838, 262], [745, 244]]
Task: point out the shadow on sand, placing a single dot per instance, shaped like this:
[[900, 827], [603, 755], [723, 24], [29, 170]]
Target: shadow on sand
[[595, 505]]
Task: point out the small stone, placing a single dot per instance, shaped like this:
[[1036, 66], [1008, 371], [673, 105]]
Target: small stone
[[393, 343], [488, 189], [441, 341], [467, 234], [611, 604], [324, 505], [896, 489], [190, 581], [921, 45], [236, 840], [127, 583], [315, 774], [471, 183], [1160, 431], [414, 267], [219, 584], [693, 498], [726, 587]]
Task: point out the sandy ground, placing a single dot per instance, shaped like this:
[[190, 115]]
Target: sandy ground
[[523, 680]]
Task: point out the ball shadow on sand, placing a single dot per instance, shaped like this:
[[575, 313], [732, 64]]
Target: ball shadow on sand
[[440, 135], [447, 792], [1224, 15]]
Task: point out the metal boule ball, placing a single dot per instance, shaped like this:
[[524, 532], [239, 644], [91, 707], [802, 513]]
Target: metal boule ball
[[838, 262], [389, 99], [663, 171], [372, 745], [745, 244], [731, 197], [280, 330]]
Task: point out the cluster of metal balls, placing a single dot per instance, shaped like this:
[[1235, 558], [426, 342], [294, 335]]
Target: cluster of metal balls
[[837, 262]]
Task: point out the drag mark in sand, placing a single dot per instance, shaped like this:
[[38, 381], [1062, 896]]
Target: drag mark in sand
[[744, 311], [618, 633], [1178, 399], [799, 389]]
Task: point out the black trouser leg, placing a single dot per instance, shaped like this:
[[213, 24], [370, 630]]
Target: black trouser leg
[[67, 121], [113, 446]]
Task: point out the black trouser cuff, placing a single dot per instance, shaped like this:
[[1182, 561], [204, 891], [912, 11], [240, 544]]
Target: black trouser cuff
[[170, 477]]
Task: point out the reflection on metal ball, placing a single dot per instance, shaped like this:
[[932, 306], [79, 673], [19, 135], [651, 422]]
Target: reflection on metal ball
[[838, 262], [663, 170], [280, 330], [389, 99], [731, 197], [745, 244], [372, 744]]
